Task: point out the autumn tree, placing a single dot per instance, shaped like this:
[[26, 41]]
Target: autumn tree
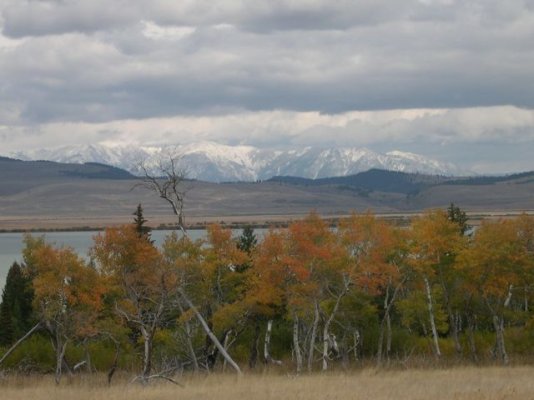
[[140, 284], [496, 264], [375, 253], [316, 261], [184, 256], [434, 242], [67, 297], [223, 286], [208, 287], [268, 287]]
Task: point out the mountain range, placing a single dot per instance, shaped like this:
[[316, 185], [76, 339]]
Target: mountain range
[[213, 162]]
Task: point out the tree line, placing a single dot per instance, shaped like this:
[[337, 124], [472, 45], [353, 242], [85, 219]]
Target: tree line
[[304, 298]]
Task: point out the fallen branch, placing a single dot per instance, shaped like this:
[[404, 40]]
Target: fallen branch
[[18, 342]]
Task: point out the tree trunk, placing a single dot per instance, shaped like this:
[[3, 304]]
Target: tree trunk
[[190, 347], [455, 337], [313, 336], [471, 338], [226, 345], [189, 343], [267, 342], [388, 304], [326, 328], [60, 353], [357, 340], [147, 354], [253, 353], [498, 325], [210, 333], [18, 342], [113, 368], [296, 344], [453, 326], [380, 351], [326, 346], [253, 358], [267, 345], [502, 355], [437, 351]]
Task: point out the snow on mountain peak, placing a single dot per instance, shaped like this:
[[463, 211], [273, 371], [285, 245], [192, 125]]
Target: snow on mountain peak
[[215, 162]]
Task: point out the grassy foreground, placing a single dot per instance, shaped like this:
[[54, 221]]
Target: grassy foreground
[[458, 383]]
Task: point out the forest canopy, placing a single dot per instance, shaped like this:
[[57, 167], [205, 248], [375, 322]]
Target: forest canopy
[[304, 298]]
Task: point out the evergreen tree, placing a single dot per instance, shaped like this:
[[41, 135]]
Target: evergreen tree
[[456, 214], [16, 307], [7, 336], [139, 222], [246, 242]]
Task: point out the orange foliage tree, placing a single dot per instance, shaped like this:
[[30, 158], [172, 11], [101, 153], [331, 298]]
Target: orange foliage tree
[[68, 295], [375, 252], [140, 284], [499, 262]]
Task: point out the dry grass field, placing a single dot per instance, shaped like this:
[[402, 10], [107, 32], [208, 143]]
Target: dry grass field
[[460, 383]]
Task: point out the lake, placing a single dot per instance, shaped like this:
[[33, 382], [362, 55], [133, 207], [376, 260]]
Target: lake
[[11, 244]]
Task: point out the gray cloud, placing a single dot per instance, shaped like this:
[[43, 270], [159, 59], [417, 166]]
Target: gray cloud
[[94, 63]]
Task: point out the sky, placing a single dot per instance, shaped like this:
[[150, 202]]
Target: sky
[[449, 79]]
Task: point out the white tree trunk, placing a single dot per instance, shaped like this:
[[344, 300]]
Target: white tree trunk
[[60, 353], [326, 328], [226, 346], [498, 324], [189, 343], [267, 342], [267, 345], [296, 344], [437, 350], [147, 353], [313, 336]]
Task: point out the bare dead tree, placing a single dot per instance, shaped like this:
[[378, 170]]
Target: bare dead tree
[[168, 182]]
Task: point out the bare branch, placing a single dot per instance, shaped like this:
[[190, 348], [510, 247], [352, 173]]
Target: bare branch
[[168, 182]]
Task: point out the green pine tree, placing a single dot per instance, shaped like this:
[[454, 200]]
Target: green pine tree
[[7, 335], [139, 222], [246, 242], [16, 308], [456, 214]]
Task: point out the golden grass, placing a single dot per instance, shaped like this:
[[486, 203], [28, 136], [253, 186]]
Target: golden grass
[[461, 383]]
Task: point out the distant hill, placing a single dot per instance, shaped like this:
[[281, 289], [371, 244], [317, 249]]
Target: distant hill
[[523, 177], [372, 180], [17, 175], [51, 169], [401, 182], [47, 191]]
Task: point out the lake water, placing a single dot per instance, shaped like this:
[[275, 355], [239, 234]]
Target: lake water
[[11, 244]]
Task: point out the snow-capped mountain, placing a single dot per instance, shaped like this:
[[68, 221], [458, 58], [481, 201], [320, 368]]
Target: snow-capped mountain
[[218, 163]]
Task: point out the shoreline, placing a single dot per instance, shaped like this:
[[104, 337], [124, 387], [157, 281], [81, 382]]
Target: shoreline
[[159, 222]]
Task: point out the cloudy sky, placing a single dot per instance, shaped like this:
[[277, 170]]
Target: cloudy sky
[[450, 79]]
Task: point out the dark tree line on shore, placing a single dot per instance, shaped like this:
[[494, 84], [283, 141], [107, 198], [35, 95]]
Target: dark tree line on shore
[[305, 298]]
